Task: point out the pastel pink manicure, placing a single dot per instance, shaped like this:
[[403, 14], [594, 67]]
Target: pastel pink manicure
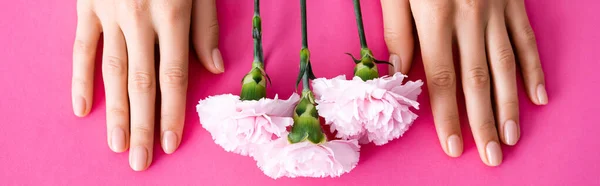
[[454, 146], [118, 140], [494, 153], [79, 106], [169, 142], [542, 95], [139, 158], [511, 132], [218, 60]]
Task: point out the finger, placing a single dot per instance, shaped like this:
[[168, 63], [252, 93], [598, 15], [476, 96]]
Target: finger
[[205, 35], [139, 38], [503, 65], [436, 42], [114, 73], [84, 56], [398, 33], [476, 81], [526, 49], [173, 32]]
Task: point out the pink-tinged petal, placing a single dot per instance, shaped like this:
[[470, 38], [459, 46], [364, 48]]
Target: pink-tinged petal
[[239, 126], [279, 158], [377, 110]]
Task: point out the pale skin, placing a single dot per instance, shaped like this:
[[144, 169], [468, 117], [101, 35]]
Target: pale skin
[[484, 32], [132, 28]]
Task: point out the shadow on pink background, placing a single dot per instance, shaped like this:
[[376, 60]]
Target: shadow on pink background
[[43, 143]]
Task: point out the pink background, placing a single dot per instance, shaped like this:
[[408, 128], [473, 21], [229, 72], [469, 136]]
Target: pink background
[[43, 143]]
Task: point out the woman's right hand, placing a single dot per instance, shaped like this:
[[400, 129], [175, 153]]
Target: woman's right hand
[[481, 30]]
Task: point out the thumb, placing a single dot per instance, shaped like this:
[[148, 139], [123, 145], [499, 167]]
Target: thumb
[[398, 33], [205, 35]]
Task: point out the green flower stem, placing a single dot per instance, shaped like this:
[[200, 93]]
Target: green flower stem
[[304, 41], [359, 24], [307, 126], [255, 82], [303, 22], [306, 73], [257, 34]]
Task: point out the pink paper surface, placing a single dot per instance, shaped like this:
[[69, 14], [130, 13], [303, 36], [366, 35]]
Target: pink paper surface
[[43, 143]]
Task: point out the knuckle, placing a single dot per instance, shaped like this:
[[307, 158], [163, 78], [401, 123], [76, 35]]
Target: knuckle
[[174, 76], [137, 5], [113, 65], [486, 126], [443, 79], [83, 48], [142, 130], [390, 35], [81, 82], [135, 9], [142, 82], [528, 34], [478, 77], [213, 28], [449, 120], [510, 105], [534, 69], [471, 9], [440, 10], [506, 59], [171, 122], [119, 114], [172, 11]]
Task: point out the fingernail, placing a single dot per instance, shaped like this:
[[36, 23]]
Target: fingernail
[[118, 140], [79, 106], [169, 142], [511, 132], [218, 60], [542, 95], [395, 60], [139, 158], [454, 146], [494, 153]]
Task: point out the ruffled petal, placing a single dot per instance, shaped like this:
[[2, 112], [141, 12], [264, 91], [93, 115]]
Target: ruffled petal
[[279, 158], [375, 111], [239, 126]]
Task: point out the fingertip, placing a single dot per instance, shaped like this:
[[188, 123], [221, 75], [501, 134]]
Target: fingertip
[[212, 60]]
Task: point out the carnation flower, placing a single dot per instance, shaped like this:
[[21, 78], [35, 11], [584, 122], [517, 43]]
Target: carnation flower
[[280, 158], [239, 126], [376, 110]]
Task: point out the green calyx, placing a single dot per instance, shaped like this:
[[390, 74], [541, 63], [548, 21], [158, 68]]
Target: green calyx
[[306, 122], [366, 67], [254, 84]]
